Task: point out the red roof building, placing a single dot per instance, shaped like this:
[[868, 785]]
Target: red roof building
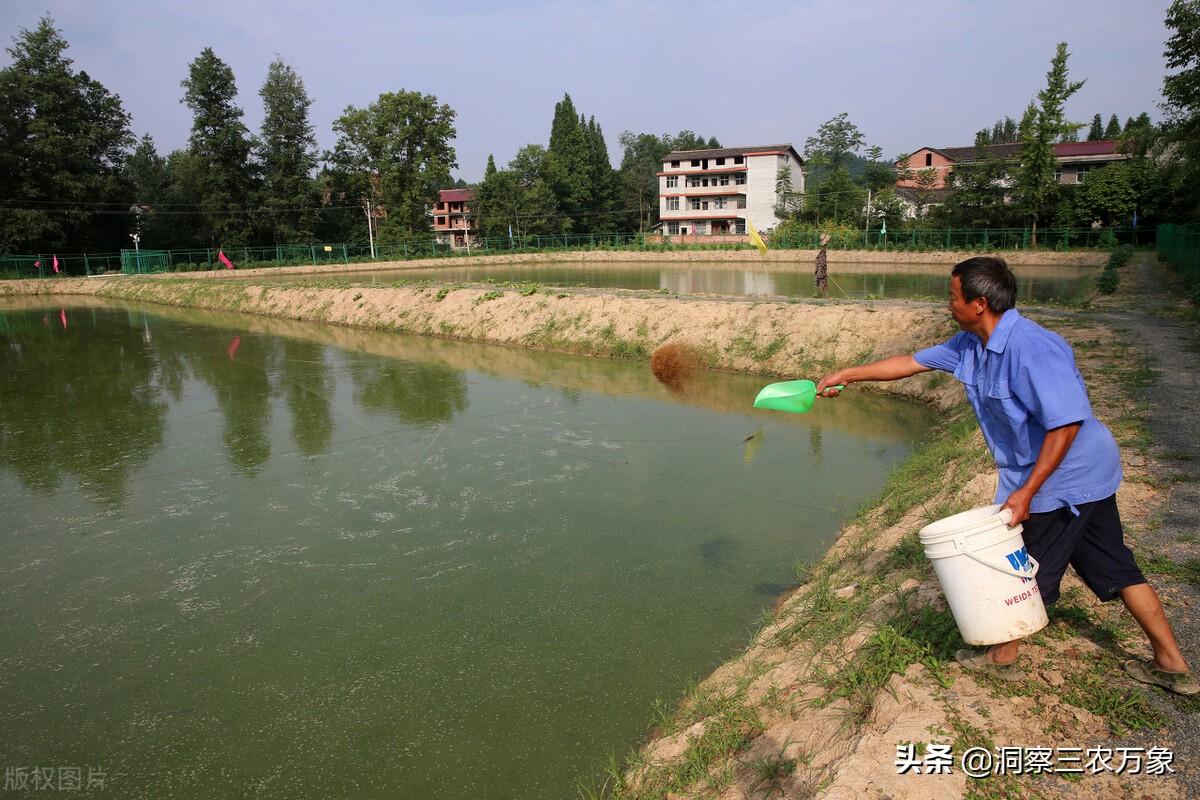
[[1074, 160], [452, 218]]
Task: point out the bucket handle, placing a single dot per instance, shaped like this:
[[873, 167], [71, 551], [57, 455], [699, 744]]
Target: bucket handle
[[1005, 515], [1006, 569]]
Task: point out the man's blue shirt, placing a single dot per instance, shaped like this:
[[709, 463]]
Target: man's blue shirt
[[1022, 384]]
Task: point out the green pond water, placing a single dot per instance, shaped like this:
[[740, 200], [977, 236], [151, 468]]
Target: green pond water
[[246, 557], [1036, 284]]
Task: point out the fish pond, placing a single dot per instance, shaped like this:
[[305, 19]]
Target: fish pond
[[1035, 284], [248, 557]]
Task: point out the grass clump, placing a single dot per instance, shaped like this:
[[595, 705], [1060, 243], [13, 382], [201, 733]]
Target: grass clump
[[495, 294], [1108, 280], [914, 636], [1188, 570]]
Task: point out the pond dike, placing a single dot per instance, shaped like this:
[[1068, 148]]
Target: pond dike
[[801, 339], [858, 657]]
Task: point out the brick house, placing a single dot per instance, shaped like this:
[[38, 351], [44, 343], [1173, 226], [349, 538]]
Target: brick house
[[452, 218], [1073, 160]]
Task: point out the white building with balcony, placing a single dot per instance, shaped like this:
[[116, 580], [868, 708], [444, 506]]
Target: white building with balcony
[[715, 192]]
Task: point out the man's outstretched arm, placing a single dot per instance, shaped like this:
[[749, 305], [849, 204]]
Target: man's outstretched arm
[[887, 369]]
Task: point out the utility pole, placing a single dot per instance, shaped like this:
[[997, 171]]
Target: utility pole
[[370, 231], [867, 221]]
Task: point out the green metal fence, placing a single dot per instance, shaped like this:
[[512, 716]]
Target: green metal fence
[[1180, 245], [1064, 239], [136, 262], [335, 253]]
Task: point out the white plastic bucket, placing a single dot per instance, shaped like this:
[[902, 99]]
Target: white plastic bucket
[[986, 575]]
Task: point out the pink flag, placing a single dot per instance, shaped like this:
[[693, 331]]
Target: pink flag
[[55, 265], [62, 316], [224, 259]]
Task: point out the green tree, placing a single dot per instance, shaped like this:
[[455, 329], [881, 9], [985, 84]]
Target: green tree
[[288, 155], [836, 198], [834, 142], [926, 180], [689, 140], [603, 179], [568, 167], [518, 197], [1139, 137], [1109, 196], [147, 174], [395, 153], [63, 143], [1096, 132], [904, 170], [1181, 88], [1041, 126], [1113, 129], [221, 146], [878, 174], [977, 193], [787, 200], [640, 163]]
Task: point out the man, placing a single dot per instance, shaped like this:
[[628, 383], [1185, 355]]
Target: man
[[1059, 466]]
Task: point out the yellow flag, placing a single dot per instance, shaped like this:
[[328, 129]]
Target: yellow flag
[[755, 238]]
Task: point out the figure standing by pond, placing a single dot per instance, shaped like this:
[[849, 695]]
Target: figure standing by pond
[[1059, 466], [822, 271]]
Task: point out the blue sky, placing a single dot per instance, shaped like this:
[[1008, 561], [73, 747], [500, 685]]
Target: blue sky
[[929, 72]]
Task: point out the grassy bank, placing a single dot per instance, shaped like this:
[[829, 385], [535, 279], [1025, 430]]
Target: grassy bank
[[859, 658]]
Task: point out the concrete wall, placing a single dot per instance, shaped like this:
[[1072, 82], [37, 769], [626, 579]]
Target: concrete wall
[[760, 191]]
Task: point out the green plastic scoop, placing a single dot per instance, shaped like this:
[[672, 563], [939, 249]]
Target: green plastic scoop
[[796, 397]]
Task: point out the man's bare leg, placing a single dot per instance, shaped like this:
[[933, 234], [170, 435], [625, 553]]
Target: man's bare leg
[[1143, 603]]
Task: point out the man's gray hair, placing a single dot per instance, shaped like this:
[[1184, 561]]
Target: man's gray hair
[[988, 277]]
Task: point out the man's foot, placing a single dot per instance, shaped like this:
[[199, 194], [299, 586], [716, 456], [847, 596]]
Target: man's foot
[[980, 661], [1149, 672]]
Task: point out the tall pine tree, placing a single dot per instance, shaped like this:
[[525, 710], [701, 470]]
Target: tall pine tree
[[221, 147], [287, 154], [568, 166], [1113, 129], [1096, 132], [63, 143]]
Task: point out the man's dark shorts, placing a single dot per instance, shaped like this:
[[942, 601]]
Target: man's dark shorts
[[1093, 543]]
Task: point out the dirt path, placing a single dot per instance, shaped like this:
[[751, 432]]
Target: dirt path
[[1169, 540]]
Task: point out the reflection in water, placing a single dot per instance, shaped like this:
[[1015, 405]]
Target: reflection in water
[[546, 544], [777, 278], [308, 387], [416, 393], [77, 402], [242, 389]]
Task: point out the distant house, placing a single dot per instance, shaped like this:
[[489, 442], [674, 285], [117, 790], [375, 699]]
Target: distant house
[[715, 192], [1073, 160], [452, 218], [914, 204]]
